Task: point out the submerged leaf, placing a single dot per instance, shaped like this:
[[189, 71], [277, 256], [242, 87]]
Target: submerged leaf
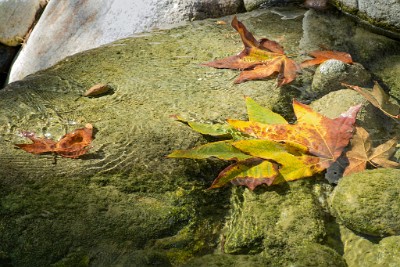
[[222, 150], [250, 172], [322, 56], [71, 145], [259, 59], [361, 153], [379, 99], [217, 130]]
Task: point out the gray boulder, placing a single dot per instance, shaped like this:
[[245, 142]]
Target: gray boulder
[[337, 32], [17, 18], [368, 202], [380, 13], [68, 27]]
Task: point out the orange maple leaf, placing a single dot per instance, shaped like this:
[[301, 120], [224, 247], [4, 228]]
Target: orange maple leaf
[[259, 59], [321, 136], [71, 145], [322, 56]]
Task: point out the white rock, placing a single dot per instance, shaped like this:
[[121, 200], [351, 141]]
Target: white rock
[[16, 18], [68, 27]]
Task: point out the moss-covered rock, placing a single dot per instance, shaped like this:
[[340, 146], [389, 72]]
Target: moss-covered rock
[[313, 254], [260, 220], [368, 202], [227, 260]]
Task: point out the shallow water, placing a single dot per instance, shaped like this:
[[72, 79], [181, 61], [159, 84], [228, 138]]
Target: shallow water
[[125, 197]]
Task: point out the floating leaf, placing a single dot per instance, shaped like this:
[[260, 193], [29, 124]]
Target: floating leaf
[[259, 59], [324, 137], [361, 153], [379, 99], [322, 56], [71, 145], [222, 150], [217, 130]]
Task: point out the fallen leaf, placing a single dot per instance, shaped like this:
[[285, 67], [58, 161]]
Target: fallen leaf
[[361, 153], [279, 151], [251, 172], [292, 167], [324, 137], [379, 99], [221, 149], [71, 145], [259, 59], [322, 56]]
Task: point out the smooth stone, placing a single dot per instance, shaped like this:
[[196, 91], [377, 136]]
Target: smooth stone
[[81, 25], [368, 202], [330, 75], [338, 32], [16, 18]]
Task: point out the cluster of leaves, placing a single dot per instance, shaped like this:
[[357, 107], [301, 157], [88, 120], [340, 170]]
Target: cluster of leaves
[[266, 149], [263, 58], [71, 145]]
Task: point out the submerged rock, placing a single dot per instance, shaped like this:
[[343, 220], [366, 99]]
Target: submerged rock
[[368, 202], [364, 251], [331, 73]]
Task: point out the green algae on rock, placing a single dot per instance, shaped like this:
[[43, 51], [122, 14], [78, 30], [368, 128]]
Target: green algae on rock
[[259, 222], [364, 251], [368, 202]]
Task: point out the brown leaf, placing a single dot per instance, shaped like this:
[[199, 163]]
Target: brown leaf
[[379, 99], [322, 56], [259, 59], [71, 145], [362, 153]]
